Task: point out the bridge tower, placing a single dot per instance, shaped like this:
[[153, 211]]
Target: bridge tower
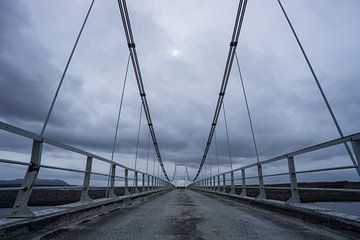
[[181, 175]]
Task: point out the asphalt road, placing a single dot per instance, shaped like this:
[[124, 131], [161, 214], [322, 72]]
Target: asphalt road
[[186, 214]]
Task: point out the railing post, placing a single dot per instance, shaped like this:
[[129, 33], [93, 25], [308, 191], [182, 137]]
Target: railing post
[[356, 147], [136, 182], [293, 181], [85, 191], [243, 183], [214, 183], [224, 184], [21, 208], [111, 192], [152, 182], [143, 182], [126, 191], [232, 189], [148, 183], [262, 194], [218, 185]]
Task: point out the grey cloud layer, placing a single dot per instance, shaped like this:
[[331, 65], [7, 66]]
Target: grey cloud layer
[[287, 110]]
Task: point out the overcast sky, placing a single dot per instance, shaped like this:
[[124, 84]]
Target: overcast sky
[[182, 48]]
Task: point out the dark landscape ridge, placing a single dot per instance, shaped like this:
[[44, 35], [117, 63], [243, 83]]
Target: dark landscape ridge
[[39, 182]]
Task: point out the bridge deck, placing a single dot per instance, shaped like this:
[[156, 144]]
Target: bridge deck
[[186, 214]]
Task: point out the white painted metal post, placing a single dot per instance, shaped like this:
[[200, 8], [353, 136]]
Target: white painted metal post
[[111, 192], [243, 182], [136, 182], [87, 176], [214, 183], [232, 190], [126, 191], [262, 194], [224, 183], [293, 181], [356, 147], [152, 182], [143, 183], [21, 208]]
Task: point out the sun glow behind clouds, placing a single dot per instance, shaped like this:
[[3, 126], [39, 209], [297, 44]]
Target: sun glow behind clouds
[[175, 52]]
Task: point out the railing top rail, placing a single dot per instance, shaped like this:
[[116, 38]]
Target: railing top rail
[[312, 148], [27, 134]]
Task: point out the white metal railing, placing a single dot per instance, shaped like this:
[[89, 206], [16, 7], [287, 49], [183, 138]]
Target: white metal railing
[[21, 209], [214, 182]]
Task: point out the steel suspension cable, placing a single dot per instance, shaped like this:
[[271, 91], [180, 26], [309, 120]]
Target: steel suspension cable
[[217, 153], [118, 120], [174, 172], [135, 62], [210, 163], [247, 108], [227, 136], [332, 114], [65, 70], [154, 164], [138, 138], [148, 154], [230, 58], [119, 111], [187, 171], [158, 170]]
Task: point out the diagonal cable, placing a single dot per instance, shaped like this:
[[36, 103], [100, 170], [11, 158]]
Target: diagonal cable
[[65, 70], [227, 137], [247, 108], [317, 83], [138, 138], [118, 119]]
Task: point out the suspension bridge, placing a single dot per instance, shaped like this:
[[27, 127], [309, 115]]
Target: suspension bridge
[[211, 204]]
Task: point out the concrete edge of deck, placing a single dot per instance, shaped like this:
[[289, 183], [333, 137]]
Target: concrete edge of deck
[[58, 216], [317, 215]]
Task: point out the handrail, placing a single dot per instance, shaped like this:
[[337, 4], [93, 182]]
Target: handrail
[[24, 133], [330, 143], [214, 183], [147, 181]]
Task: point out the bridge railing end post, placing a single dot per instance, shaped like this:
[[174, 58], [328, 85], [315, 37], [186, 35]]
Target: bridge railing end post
[[243, 183], [86, 182], [295, 198], [232, 188], [356, 148], [21, 208], [262, 194]]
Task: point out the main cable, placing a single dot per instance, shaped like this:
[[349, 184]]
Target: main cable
[[135, 62], [230, 58]]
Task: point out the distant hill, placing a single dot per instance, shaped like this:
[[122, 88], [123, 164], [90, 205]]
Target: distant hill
[[39, 182]]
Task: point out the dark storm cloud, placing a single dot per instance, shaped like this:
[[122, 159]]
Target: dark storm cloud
[[25, 71]]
